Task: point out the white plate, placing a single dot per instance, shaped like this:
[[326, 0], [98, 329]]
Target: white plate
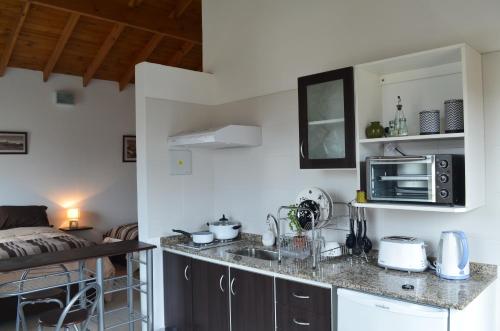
[[319, 196]]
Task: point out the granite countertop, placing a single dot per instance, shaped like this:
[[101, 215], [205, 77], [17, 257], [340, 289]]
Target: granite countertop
[[356, 274]]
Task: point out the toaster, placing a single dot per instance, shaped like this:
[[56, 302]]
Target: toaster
[[402, 253]]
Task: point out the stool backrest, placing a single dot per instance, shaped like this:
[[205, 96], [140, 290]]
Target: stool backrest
[[87, 299], [52, 275]]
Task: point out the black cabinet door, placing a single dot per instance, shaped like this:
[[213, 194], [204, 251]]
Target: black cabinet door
[[302, 307], [178, 292], [295, 319], [210, 296], [326, 120], [252, 301]]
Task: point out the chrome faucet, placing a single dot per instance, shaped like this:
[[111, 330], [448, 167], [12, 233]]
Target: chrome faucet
[[278, 234]]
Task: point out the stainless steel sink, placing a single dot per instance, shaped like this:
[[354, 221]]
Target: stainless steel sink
[[256, 253]]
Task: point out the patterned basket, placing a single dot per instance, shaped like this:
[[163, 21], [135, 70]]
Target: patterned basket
[[429, 122], [454, 115]]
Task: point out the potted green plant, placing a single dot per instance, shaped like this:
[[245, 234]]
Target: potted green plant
[[299, 240]]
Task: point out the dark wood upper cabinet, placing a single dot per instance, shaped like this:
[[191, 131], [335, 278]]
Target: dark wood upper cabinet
[[210, 296], [178, 292], [326, 120], [252, 301]]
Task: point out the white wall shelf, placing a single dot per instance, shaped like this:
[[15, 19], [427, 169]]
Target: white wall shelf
[[424, 81], [442, 136], [414, 207]]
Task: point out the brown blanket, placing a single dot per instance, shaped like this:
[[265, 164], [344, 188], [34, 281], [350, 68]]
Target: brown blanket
[[35, 240]]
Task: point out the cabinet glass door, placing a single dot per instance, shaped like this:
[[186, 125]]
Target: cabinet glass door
[[326, 120]]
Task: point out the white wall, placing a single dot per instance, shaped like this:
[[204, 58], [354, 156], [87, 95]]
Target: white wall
[[176, 200], [259, 47], [75, 154], [252, 182], [248, 183], [166, 202]]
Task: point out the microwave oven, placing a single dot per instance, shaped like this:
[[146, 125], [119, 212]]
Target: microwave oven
[[432, 179]]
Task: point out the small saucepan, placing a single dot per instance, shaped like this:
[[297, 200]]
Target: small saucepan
[[224, 229], [200, 237]]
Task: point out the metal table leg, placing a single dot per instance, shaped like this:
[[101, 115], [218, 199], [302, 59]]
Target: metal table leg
[[100, 302], [149, 274], [81, 285], [130, 291]]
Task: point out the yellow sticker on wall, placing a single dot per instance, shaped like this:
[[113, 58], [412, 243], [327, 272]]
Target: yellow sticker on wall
[[180, 162]]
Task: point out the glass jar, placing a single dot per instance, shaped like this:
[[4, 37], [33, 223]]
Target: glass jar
[[374, 130]]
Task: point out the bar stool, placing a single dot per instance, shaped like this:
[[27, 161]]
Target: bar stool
[[79, 310], [44, 296]]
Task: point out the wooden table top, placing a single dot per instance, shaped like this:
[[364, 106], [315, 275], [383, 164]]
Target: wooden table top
[[76, 254]]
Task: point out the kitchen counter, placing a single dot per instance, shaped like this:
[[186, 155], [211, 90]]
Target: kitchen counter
[[352, 273]]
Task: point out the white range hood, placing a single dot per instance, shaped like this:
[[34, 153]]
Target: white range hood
[[229, 136]]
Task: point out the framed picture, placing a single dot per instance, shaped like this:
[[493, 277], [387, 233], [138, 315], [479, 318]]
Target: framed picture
[[13, 142], [129, 150]]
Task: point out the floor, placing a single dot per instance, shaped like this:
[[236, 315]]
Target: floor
[[119, 299]]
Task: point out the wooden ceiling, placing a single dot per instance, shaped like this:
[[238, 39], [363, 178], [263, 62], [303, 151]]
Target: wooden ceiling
[[99, 39]]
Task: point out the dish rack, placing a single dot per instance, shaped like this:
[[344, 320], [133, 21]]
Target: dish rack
[[296, 248], [308, 245]]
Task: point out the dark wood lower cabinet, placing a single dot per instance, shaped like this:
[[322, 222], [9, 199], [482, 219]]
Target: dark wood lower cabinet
[[203, 296], [252, 301], [210, 296], [178, 292], [303, 307], [295, 319]]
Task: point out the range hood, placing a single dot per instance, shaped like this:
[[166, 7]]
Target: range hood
[[229, 136]]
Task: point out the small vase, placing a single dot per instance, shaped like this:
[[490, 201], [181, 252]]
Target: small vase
[[374, 130]]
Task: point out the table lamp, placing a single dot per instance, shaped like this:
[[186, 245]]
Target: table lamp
[[73, 215]]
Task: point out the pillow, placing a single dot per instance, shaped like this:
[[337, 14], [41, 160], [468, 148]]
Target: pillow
[[124, 232], [23, 216]]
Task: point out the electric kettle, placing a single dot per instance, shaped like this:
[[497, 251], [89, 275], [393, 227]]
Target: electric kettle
[[453, 256]]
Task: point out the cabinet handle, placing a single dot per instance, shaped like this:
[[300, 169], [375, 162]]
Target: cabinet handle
[[186, 272], [301, 296], [301, 323], [302, 150], [232, 286], [220, 283]]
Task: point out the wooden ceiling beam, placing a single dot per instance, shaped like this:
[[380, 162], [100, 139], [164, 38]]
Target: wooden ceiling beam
[[146, 18], [7, 53], [141, 57], [180, 9], [134, 3], [61, 43], [102, 53], [176, 59]]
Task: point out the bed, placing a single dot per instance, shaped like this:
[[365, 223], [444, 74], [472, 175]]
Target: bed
[[25, 230], [128, 231]]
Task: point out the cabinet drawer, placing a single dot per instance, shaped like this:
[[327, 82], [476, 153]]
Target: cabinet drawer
[[304, 297], [296, 319]]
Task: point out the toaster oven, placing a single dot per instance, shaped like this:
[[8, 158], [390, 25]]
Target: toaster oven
[[433, 179]]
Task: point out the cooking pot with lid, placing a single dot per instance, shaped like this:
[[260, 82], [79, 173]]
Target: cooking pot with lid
[[224, 229]]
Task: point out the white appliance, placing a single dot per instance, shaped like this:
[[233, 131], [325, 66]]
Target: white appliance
[[222, 137], [358, 311], [402, 253], [453, 256]]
